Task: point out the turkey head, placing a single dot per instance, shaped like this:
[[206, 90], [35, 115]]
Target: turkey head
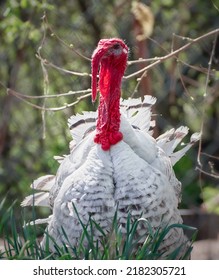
[[109, 60]]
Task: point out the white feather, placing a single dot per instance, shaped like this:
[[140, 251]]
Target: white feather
[[80, 124], [43, 183], [136, 174], [36, 199], [138, 112]]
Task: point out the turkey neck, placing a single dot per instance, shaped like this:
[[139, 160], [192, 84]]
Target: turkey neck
[[108, 123]]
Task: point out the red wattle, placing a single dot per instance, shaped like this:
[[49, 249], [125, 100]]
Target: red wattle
[[110, 138], [115, 137], [111, 66], [103, 140]]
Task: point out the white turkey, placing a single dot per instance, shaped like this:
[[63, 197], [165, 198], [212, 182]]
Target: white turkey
[[114, 163]]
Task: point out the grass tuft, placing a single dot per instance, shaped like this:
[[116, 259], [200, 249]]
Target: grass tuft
[[21, 241]]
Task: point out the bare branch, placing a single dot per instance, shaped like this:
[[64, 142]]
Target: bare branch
[[138, 83], [47, 63], [142, 72], [54, 109], [172, 54], [45, 78], [207, 173], [210, 156], [70, 93], [142, 60], [205, 96]]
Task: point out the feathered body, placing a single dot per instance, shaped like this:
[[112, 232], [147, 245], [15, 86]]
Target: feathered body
[[114, 163]]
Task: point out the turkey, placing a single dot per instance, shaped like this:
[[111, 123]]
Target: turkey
[[114, 163]]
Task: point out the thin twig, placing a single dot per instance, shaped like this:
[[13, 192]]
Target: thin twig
[[70, 93], [69, 46], [47, 63], [142, 60], [183, 84], [207, 173], [197, 68], [138, 83], [45, 78], [53, 109], [172, 54], [205, 96], [187, 92], [210, 156]]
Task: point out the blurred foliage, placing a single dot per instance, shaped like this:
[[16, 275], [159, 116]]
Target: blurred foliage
[[211, 199], [56, 28]]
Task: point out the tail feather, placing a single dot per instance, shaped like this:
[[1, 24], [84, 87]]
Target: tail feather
[[175, 157], [60, 158], [81, 124], [39, 221], [43, 183], [139, 112], [41, 187], [36, 199], [171, 139]]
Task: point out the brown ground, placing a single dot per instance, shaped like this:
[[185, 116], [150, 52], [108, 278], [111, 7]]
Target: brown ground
[[206, 250]]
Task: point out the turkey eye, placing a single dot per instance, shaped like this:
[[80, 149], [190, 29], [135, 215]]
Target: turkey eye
[[116, 46]]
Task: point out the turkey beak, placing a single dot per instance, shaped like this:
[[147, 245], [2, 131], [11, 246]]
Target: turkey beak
[[96, 59]]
